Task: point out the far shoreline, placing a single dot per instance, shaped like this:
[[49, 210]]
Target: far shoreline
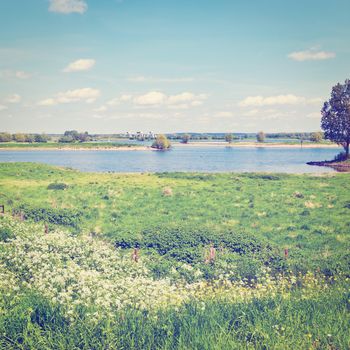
[[174, 145]]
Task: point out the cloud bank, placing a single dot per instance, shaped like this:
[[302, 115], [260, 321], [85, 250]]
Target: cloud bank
[[87, 95], [68, 6], [79, 65], [289, 99], [311, 55]]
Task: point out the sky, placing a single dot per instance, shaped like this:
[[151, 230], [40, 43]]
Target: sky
[[112, 66]]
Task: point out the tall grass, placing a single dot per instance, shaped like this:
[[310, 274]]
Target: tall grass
[[274, 323]]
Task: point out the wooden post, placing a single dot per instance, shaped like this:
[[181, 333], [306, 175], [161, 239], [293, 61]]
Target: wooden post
[[286, 253], [2, 209], [135, 255], [46, 229]]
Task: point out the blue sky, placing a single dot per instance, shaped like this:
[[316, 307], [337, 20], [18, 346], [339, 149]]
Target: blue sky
[[111, 66]]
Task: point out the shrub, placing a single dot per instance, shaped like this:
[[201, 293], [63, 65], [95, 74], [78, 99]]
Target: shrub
[[185, 138], [6, 234], [57, 186], [161, 143], [186, 243], [65, 217], [260, 136], [5, 137], [340, 157]]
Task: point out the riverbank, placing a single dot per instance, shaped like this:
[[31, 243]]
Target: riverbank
[[257, 145], [343, 167]]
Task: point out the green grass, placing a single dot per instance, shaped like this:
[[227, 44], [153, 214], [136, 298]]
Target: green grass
[[307, 214], [318, 323], [250, 218]]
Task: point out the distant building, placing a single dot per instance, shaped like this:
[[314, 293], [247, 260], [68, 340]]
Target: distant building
[[141, 136]]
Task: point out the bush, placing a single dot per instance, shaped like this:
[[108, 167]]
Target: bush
[[65, 217], [340, 157], [187, 244], [161, 143], [316, 137], [57, 186], [260, 136], [6, 234], [40, 138], [5, 137], [185, 138]]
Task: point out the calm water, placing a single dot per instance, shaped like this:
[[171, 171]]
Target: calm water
[[201, 159]]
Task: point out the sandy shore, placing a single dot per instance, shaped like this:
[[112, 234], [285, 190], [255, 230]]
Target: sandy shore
[[254, 144], [174, 145]]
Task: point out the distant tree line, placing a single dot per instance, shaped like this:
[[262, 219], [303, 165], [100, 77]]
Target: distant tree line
[[20, 137], [306, 136], [74, 136]]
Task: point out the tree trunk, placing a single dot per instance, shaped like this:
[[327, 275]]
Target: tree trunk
[[346, 147]]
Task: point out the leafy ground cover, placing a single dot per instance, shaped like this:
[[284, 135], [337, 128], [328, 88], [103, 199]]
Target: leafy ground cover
[[279, 277]]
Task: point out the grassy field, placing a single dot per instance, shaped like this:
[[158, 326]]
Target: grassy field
[[279, 278]]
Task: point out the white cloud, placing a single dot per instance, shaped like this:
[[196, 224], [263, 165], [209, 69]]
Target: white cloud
[[125, 98], [151, 98], [289, 99], [179, 101], [68, 6], [22, 75], [138, 79], [311, 55], [3, 108], [15, 74], [114, 101], [143, 79], [183, 100], [180, 98], [47, 102], [79, 65], [87, 95], [14, 98], [224, 114], [196, 103], [179, 106], [251, 113], [100, 109]]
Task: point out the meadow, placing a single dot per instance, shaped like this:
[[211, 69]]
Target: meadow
[[224, 261]]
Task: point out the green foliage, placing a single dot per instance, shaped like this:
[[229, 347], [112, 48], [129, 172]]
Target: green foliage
[[6, 234], [57, 186], [260, 136], [65, 217], [41, 138], [5, 137], [74, 136], [185, 138], [161, 143], [19, 137], [321, 322], [263, 206], [336, 116], [229, 138], [316, 137]]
